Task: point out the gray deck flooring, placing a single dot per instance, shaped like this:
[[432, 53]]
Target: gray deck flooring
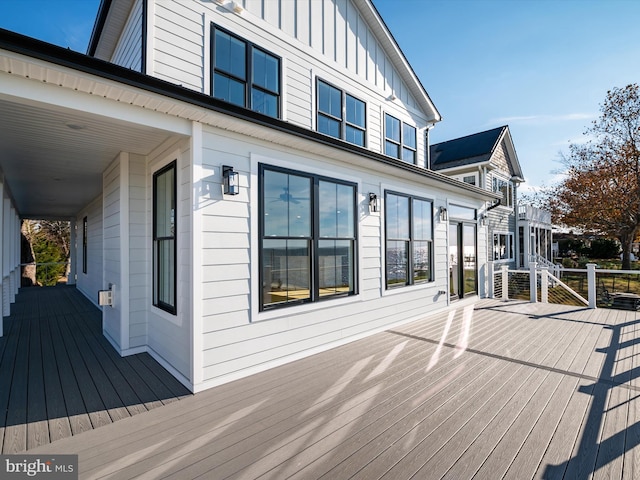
[[60, 377], [503, 390]]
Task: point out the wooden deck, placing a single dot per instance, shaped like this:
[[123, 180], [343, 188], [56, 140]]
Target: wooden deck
[[60, 377], [506, 390]]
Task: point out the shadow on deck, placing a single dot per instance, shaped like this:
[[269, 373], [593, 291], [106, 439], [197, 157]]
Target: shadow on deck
[[59, 376]]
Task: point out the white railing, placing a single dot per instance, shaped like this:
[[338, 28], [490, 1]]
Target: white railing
[[555, 268], [527, 212], [591, 287]]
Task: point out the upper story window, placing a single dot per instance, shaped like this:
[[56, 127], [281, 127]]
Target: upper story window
[[506, 188], [340, 115], [399, 139], [470, 179], [244, 74]]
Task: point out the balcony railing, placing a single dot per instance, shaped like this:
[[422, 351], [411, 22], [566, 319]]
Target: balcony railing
[[591, 287], [535, 214]]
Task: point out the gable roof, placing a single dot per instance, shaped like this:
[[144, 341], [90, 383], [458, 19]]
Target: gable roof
[[475, 149], [112, 17]]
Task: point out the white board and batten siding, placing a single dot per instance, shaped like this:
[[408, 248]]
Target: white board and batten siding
[[89, 283], [326, 39], [238, 339], [128, 51]]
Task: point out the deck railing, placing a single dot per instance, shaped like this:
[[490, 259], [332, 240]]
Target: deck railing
[[591, 287]]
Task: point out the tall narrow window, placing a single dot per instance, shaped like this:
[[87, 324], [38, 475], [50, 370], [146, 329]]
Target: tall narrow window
[[409, 247], [164, 238], [308, 245], [340, 115], [399, 139], [244, 74], [84, 245]]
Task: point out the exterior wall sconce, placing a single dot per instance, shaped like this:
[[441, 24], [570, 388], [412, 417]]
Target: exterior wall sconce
[[374, 203], [482, 220], [231, 180], [442, 212]]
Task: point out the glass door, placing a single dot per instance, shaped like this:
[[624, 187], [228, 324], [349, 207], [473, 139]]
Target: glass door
[[463, 265]]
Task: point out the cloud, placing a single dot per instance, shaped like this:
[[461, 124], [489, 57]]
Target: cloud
[[537, 119]]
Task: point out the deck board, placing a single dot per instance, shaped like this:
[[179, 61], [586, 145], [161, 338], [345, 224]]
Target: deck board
[[518, 390], [60, 377]]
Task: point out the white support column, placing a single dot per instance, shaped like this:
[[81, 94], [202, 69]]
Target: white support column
[[591, 284], [15, 257], [544, 285], [505, 283], [533, 281], [491, 279], [6, 255]]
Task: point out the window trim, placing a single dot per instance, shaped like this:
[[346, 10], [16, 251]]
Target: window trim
[[343, 112], [401, 144], [510, 245], [249, 85], [172, 309], [495, 188], [84, 244], [409, 277], [314, 275]]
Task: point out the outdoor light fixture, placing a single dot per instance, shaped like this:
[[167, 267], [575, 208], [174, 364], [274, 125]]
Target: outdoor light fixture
[[236, 7], [483, 220], [443, 214], [374, 203], [231, 181]]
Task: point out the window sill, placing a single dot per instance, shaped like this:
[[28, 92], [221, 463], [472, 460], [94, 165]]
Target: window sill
[[282, 312]]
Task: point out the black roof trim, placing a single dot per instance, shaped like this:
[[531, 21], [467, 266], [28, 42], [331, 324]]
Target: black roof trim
[[48, 52], [98, 26]]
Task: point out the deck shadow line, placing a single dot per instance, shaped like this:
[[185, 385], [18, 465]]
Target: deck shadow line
[[496, 356]]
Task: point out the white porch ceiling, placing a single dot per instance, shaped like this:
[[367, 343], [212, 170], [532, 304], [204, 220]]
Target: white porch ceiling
[[53, 158]]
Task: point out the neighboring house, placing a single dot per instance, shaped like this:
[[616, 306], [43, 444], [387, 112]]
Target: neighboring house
[[518, 233], [488, 160], [249, 179]]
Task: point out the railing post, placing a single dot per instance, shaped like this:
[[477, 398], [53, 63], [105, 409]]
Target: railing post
[[544, 284], [533, 282], [492, 279], [591, 284], [505, 283]]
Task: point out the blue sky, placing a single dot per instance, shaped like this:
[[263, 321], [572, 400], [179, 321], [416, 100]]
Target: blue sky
[[541, 66]]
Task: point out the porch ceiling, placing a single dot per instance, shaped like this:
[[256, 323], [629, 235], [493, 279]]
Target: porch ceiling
[[53, 157]]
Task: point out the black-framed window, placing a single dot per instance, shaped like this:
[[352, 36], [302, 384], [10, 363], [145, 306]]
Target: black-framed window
[[84, 245], [409, 240], [340, 114], [399, 139], [164, 238], [307, 246], [244, 74]]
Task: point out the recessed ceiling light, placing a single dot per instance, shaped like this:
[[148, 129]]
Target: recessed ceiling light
[[75, 126]]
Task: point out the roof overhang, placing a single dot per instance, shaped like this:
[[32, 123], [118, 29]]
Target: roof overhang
[[69, 115]]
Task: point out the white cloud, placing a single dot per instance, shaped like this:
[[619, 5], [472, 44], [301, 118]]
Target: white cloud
[[537, 119]]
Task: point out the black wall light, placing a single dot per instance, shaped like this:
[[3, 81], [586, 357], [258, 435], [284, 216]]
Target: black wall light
[[231, 180]]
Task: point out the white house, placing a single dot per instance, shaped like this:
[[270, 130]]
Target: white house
[[248, 178]]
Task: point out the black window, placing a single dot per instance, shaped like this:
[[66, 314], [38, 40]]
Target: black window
[[399, 139], [409, 240], [84, 245], [506, 188], [164, 238], [244, 74], [340, 115], [308, 246]]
